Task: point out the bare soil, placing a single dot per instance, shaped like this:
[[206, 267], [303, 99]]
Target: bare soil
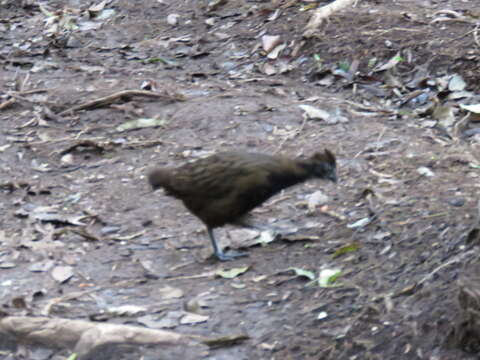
[[81, 233]]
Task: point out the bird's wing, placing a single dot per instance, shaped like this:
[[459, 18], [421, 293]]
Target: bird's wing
[[208, 178]]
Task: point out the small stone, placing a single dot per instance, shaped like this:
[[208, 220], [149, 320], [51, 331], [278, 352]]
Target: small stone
[[458, 201]]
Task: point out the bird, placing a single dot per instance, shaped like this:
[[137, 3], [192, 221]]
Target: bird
[[224, 187]]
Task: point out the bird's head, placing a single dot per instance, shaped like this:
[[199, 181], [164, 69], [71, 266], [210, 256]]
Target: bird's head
[[323, 165]]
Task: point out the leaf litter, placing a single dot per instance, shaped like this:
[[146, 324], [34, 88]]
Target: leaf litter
[[411, 234]]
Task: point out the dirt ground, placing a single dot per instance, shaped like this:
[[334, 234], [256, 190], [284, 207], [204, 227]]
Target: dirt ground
[[83, 237]]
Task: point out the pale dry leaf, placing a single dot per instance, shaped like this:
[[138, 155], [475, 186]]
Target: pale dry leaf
[[191, 318], [62, 273], [126, 310], [269, 42], [172, 19], [169, 292], [318, 198]]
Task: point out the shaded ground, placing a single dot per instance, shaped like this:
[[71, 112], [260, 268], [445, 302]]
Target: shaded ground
[[412, 179]]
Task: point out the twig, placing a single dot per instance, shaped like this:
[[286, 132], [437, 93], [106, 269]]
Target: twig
[[29, 92], [93, 139], [121, 94], [333, 213], [179, 266], [46, 310], [452, 261], [435, 215], [323, 13], [86, 338], [145, 143], [455, 16], [475, 36], [18, 95], [459, 126], [292, 136], [7, 103], [197, 276]]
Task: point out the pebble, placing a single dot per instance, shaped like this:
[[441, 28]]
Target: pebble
[[457, 201]]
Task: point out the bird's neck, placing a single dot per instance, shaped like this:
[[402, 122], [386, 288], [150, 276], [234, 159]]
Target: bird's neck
[[289, 174], [306, 169]]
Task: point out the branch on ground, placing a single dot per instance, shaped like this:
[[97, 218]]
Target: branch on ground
[[324, 13]]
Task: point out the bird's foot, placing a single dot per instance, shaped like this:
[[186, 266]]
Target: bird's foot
[[232, 255]]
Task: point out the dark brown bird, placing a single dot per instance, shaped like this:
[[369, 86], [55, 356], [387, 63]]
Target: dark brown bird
[[222, 188]]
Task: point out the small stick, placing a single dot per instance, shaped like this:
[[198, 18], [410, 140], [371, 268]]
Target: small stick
[[197, 276], [7, 103], [29, 92], [291, 136], [106, 100], [475, 36]]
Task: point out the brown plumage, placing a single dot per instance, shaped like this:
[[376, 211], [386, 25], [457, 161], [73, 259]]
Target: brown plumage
[[224, 187]]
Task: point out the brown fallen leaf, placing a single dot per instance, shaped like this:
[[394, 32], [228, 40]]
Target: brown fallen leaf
[[226, 341]]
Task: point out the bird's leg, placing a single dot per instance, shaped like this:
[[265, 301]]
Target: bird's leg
[[218, 251]]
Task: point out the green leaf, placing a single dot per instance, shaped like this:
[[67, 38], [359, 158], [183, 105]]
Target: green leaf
[[398, 58], [231, 273], [343, 65], [372, 62], [162, 60], [346, 249], [328, 277]]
